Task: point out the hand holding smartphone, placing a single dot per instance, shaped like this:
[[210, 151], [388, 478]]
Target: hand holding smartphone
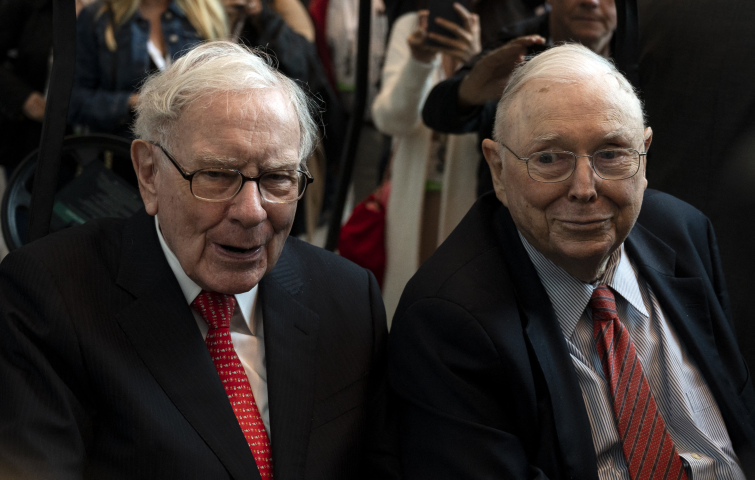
[[452, 29]]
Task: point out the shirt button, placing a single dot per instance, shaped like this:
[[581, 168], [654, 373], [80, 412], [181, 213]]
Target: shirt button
[[696, 456], [173, 38]]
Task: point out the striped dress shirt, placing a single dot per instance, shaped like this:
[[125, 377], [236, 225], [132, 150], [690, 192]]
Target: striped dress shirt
[[692, 417]]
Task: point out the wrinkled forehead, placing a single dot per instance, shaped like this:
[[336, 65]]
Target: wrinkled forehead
[[598, 99], [270, 104]]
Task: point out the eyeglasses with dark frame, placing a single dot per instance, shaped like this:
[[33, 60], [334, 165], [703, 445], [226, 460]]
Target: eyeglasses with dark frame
[[558, 166], [222, 184]]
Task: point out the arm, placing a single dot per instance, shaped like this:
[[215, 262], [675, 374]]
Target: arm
[[294, 53], [457, 105], [406, 82], [92, 101], [41, 418], [456, 415], [296, 16]]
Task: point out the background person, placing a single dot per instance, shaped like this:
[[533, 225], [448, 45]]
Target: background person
[[119, 42], [430, 188], [467, 101], [25, 45]]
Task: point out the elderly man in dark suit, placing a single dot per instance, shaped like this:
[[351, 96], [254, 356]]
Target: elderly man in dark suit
[[575, 324], [195, 339]]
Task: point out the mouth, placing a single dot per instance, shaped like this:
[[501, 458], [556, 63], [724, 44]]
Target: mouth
[[235, 249], [585, 224], [238, 250], [587, 19]]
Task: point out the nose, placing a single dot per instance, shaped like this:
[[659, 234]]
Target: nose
[[582, 187], [247, 206]]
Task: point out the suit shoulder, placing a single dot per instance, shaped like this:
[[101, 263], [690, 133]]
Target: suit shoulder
[[462, 267], [71, 250], [661, 211], [322, 264]]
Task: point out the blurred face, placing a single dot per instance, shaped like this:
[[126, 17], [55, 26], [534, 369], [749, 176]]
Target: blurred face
[[224, 246], [580, 222], [590, 22]]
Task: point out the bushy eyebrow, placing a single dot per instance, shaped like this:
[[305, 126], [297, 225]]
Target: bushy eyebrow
[[211, 160], [623, 135]]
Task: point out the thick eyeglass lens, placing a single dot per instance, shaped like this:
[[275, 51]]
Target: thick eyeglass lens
[[616, 164], [277, 186], [215, 184], [612, 164], [281, 186], [550, 166]]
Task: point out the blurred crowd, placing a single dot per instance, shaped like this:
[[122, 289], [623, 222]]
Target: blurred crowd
[[434, 84]]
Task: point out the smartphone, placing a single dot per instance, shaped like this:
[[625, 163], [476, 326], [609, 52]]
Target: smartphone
[[443, 9]]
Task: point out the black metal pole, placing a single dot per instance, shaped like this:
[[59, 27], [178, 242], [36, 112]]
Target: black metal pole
[[56, 112], [627, 33], [348, 157]]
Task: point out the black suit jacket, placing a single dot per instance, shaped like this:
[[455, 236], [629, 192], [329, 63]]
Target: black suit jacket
[[486, 385], [105, 374]]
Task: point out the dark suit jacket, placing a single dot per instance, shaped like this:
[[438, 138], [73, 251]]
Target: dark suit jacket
[[696, 70], [104, 373], [476, 355]]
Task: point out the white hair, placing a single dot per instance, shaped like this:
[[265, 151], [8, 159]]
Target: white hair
[[567, 63], [214, 68]]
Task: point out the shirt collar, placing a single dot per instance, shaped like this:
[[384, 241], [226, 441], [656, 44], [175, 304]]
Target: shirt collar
[[570, 296], [245, 301]]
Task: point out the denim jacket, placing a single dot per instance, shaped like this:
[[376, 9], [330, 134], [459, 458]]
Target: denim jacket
[[105, 80]]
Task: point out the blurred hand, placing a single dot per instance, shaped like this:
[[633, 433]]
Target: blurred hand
[[420, 51], [34, 107], [464, 43], [488, 77]]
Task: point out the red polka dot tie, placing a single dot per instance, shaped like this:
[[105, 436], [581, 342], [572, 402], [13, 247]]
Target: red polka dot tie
[[216, 309], [648, 448]]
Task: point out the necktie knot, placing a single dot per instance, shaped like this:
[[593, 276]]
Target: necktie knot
[[603, 304], [215, 308]]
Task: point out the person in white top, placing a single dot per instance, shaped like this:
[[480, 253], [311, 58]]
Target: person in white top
[[432, 176]]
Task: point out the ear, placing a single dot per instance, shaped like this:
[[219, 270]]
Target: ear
[[143, 159], [494, 156], [648, 140]]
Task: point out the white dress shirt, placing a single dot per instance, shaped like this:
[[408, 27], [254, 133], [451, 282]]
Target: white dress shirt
[[686, 404], [247, 332]]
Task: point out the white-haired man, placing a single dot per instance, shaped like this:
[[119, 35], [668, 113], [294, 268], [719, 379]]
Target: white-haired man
[[195, 339], [575, 324]]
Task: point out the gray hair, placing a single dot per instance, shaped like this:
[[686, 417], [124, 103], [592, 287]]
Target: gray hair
[[566, 63], [215, 68]]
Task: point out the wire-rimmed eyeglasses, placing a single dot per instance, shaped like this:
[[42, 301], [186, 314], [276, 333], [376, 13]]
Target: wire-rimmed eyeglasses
[[221, 184], [557, 166]]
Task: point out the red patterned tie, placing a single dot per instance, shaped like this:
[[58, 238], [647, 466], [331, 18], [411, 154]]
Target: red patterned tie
[[217, 309], [648, 448]]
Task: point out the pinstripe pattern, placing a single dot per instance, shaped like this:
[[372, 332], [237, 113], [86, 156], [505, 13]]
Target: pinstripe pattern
[[692, 417], [648, 448]]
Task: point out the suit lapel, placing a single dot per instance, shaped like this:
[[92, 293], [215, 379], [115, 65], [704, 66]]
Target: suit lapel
[[685, 305], [291, 331], [162, 330], [544, 335]]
